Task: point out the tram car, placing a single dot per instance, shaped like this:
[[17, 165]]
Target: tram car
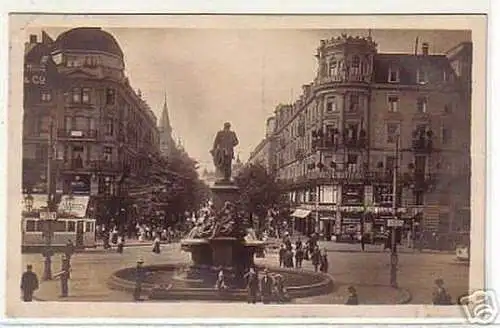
[[70, 222]]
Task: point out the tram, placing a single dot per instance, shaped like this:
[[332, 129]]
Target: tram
[[70, 222]]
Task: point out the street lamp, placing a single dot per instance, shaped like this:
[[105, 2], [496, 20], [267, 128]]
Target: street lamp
[[28, 202], [394, 249]]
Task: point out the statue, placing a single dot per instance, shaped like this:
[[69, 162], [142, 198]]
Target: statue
[[223, 151], [226, 223]]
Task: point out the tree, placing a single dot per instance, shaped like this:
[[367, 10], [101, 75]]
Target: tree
[[172, 185], [259, 191]]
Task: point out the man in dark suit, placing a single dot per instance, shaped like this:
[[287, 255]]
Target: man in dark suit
[[223, 150], [266, 287], [29, 283], [252, 285]]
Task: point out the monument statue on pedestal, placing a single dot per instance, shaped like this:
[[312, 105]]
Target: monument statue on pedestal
[[223, 151]]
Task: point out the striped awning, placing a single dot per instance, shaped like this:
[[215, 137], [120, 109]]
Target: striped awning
[[300, 213]]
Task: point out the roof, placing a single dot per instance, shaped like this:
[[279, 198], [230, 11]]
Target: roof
[[408, 66], [88, 38]]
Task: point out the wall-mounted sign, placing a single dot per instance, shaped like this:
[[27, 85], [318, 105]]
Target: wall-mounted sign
[[35, 74], [353, 194]]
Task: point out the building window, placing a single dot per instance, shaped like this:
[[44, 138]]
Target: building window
[[353, 103], [419, 197], [393, 103], [422, 104], [392, 132], [422, 77], [110, 96], [86, 95], [352, 159], [42, 153], [77, 158], [333, 68], [448, 108], [81, 123], [46, 96], [390, 162], [355, 62], [76, 96], [30, 225], [43, 124], [108, 154], [331, 105], [393, 75], [445, 135], [109, 127]]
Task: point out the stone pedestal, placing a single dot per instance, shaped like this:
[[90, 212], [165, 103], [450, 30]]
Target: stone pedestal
[[224, 191]]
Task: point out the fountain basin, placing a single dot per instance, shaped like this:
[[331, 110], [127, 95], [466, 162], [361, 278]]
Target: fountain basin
[[162, 284]]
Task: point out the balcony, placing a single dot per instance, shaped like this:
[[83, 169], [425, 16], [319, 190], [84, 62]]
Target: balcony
[[77, 134], [336, 141], [95, 165]]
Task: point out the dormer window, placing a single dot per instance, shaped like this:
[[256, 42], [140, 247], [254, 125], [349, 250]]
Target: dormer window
[[422, 77], [355, 62], [333, 68], [393, 76]]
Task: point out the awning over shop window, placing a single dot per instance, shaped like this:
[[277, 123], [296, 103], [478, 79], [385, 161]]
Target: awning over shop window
[[300, 213]]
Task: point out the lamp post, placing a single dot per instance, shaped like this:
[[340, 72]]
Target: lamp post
[[49, 218], [394, 249]]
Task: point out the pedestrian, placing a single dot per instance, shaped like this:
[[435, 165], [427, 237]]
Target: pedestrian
[[363, 242], [299, 256], [352, 298], [220, 284], [114, 236], [288, 258], [29, 283], [64, 275], [252, 285], [266, 287], [280, 291], [69, 249], [316, 258], [140, 275], [298, 243], [120, 245], [156, 244], [323, 267], [281, 255], [440, 296]]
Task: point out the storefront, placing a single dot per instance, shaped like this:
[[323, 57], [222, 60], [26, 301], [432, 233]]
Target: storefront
[[301, 219], [77, 184]]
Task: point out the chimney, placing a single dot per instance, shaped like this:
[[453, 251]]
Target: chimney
[[425, 48], [33, 38]]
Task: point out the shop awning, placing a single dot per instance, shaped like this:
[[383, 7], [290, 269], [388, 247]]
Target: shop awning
[[300, 213]]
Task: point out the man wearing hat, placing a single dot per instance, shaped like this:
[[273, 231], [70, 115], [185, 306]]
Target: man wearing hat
[[29, 283], [64, 275], [266, 287], [140, 275]]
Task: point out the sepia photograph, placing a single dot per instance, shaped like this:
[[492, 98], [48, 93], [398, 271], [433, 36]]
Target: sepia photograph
[[245, 164]]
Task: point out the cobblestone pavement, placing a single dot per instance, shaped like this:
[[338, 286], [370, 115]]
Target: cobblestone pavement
[[368, 271]]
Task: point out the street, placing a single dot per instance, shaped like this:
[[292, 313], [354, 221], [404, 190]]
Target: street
[[367, 271]]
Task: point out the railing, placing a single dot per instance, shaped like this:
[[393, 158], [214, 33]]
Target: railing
[[79, 164], [79, 134]]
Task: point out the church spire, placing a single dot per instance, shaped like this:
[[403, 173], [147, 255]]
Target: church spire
[[165, 120]]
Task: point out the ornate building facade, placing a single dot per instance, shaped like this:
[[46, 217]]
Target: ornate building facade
[[82, 116], [365, 115]]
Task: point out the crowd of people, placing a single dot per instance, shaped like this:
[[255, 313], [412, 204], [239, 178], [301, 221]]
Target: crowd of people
[[292, 255]]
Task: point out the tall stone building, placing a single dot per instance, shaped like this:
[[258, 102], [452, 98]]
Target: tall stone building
[[82, 115], [365, 114]]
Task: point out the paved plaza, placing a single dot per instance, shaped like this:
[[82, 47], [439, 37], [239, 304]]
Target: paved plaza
[[368, 271]]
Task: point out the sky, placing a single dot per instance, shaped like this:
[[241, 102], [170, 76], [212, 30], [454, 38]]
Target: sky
[[211, 76]]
